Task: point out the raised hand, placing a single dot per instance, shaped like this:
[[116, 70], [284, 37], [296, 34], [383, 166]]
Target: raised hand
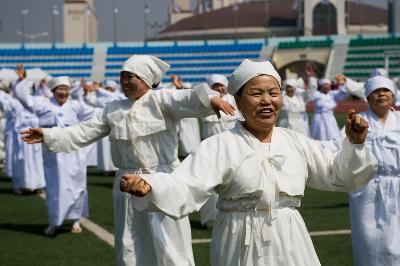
[[356, 128], [21, 73], [220, 105], [135, 185], [32, 135], [340, 79]]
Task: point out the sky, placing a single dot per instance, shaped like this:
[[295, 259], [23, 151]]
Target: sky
[[130, 19]]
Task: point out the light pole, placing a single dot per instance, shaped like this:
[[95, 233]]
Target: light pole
[[55, 13], [235, 11], [24, 12], [85, 25], [146, 12], [115, 13]]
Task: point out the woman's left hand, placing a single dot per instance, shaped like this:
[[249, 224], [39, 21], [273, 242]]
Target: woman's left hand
[[356, 128], [220, 105]]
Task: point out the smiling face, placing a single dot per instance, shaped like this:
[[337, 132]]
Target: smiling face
[[260, 102], [380, 100], [325, 88], [61, 94], [132, 86]]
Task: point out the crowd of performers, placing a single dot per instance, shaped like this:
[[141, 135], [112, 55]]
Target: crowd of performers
[[246, 177]]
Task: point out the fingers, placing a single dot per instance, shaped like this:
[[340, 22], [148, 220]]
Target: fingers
[[351, 114], [134, 185]]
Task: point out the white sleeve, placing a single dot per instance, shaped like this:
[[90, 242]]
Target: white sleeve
[[187, 103], [187, 188], [75, 137], [348, 170], [355, 88], [34, 104], [99, 98]]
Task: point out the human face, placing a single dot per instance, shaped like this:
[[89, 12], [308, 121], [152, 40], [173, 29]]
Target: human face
[[289, 91], [325, 88], [61, 94], [260, 103], [380, 100], [132, 86], [219, 88], [110, 89]]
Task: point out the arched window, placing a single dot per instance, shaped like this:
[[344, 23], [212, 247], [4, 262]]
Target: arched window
[[324, 19]]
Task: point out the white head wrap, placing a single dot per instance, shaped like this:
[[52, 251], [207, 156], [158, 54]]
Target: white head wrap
[[249, 69], [324, 81], [216, 78], [379, 82], [55, 82], [290, 82], [379, 72], [111, 83], [148, 68]]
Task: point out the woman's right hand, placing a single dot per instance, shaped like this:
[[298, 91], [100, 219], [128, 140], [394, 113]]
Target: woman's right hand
[[32, 135], [135, 185]]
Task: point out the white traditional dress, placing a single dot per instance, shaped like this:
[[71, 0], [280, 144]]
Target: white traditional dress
[[323, 124], [8, 132], [143, 139], [293, 113], [27, 161], [375, 209], [211, 125], [65, 173], [99, 99], [259, 187]]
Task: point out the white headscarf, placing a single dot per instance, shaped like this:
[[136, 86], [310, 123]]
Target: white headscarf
[[249, 69], [379, 72], [216, 78], [290, 82], [379, 82], [55, 82], [324, 81], [148, 68], [111, 83]]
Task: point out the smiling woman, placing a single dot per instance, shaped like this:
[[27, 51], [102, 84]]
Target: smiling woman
[[259, 172]]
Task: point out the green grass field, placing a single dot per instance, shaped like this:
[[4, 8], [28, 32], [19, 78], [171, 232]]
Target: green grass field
[[22, 219]]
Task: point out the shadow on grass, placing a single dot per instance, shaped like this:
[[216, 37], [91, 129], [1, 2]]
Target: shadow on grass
[[34, 229], [334, 206], [97, 184], [197, 225]]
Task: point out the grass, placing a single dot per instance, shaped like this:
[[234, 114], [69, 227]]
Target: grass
[[23, 218]]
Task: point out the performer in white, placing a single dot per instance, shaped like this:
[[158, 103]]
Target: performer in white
[[213, 125], [65, 173], [259, 172], [323, 124], [26, 160], [375, 209], [143, 138], [293, 112]]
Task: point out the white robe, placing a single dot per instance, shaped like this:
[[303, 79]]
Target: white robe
[[323, 124], [293, 113], [65, 173], [211, 125], [99, 99], [143, 139], [375, 209], [8, 132], [259, 187], [27, 162]]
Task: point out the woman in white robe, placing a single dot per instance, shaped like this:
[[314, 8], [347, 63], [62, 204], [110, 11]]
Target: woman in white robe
[[293, 112], [27, 162], [143, 138], [375, 208], [324, 125], [65, 173], [212, 125], [98, 98], [8, 132], [259, 172]]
